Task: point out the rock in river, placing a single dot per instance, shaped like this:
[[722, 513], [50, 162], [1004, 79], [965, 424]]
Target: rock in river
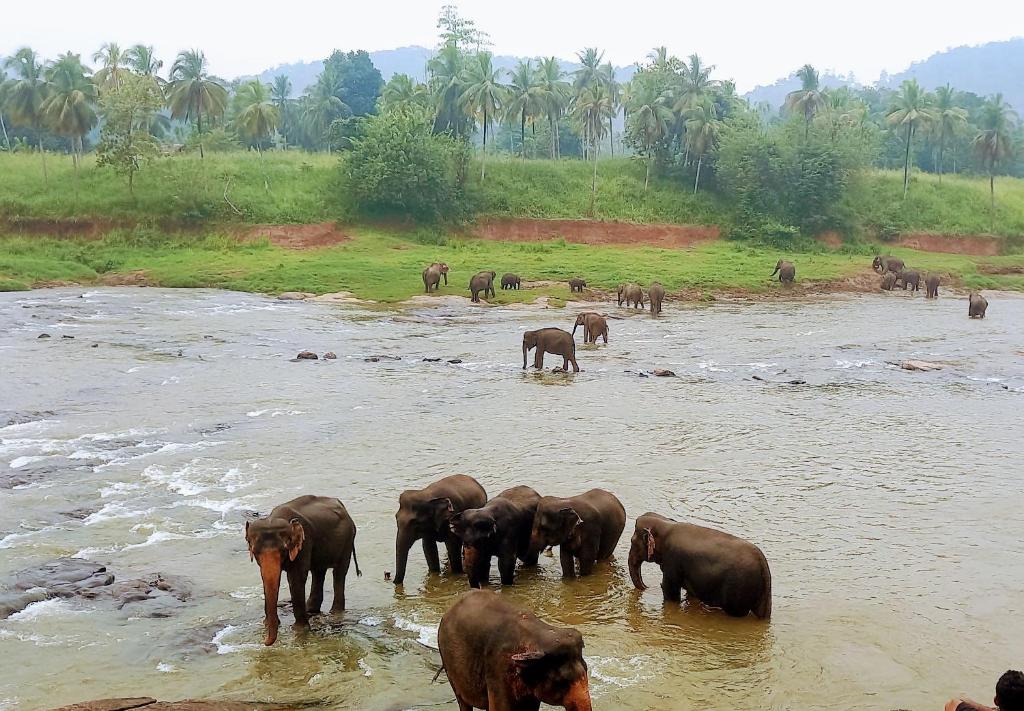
[[307, 355]]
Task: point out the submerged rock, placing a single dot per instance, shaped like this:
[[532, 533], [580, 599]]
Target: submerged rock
[[663, 373], [455, 361], [330, 355], [921, 365], [307, 355], [431, 360], [378, 358], [294, 296], [43, 335]]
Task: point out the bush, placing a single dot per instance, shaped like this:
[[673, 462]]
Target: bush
[[400, 168]]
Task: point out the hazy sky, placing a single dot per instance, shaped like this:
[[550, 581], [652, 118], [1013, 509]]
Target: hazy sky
[[750, 42]]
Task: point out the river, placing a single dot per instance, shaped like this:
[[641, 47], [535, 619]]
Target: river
[[887, 502]]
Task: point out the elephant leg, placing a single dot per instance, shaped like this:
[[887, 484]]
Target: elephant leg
[[565, 364], [507, 567], [430, 553], [340, 571], [671, 588], [565, 557], [454, 546], [297, 588], [316, 591], [538, 359], [575, 365], [588, 557]]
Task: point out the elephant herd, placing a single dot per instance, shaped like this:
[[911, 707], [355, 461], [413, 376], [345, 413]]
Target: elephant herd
[[896, 275], [496, 655]]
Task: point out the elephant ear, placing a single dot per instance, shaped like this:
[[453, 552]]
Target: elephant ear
[[570, 520], [442, 511], [649, 535], [457, 524], [252, 556], [298, 537]]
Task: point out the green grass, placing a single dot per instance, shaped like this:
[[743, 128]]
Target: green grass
[[385, 265]]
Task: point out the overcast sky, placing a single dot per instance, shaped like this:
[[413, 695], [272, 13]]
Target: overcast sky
[[750, 42]]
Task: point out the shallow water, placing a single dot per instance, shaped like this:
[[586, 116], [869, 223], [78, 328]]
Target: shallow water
[[887, 502]]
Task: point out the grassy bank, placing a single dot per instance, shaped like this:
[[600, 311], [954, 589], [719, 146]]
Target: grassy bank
[[385, 265]]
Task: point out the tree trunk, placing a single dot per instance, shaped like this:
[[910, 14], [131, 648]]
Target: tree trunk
[[483, 158], [906, 162], [199, 130], [992, 198], [611, 138], [7, 138], [942, 145], [42, 153], [522, 133], [696, 180], [647, 178], [593, 185]]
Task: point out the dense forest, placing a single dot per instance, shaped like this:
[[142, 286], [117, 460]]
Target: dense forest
[[409, 146]]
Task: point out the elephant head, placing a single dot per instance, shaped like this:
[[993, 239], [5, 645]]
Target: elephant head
[[477, 529], [444, 272], [270, 542], [620, 291], [419, 516], [529, 343], [581, 320], [876, 263], [778, 266], [556, 672], [642, 549], [552, 526]]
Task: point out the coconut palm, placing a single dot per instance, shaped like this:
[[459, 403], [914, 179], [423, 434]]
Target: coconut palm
[[403, 90], [591, 108], [949, 117], [142, 60], [192, 92], [26, 94], [69, 108], [696, 84], [808, 100], [483, 94], [113, 66], [320, 107], [650, 117], [525, 99], [993, 144], [258, 116], [554, 96], [446, 83], [590, 74], [702, 130], [615, 93], [5, 87], [911, 109], [659, 59]]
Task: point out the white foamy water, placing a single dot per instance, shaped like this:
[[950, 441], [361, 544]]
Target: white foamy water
[[425, 634]]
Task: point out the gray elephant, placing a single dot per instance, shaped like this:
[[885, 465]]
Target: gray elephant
[[577, 285], [482, 281], [716, 568], [586, 529], [550, 340], [594, 325], [432, 276], [909, 279], [887, 264], [976, 305], [931, 285], [510, 281], [425, 514], [501, 528], [888, 281], [632, 295], [785, 270], [655, 295]]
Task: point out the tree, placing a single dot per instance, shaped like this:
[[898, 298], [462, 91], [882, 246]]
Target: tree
[[142, 60], [68, 108], [948, 118], [25, 96], [127, 110], [446, 71], [192, 92], [403, 90], [993, 143], [649, 118], [702, 130], [354, 80], [460, 32], [808, 99], [321, 107], [483, 95], [113, 62], [5, 88], [615, 94], [696, 84], [911, 109], [554, 96], [258, 116], [525, 99], [591, 109]]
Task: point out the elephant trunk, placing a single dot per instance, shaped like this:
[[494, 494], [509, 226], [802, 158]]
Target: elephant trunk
[[270, 570], [636, 559], [470, 561], [775, 272], [402, 545], [577, 698]]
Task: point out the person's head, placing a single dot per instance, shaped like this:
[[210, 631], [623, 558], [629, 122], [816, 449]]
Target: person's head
[[1010, 691]]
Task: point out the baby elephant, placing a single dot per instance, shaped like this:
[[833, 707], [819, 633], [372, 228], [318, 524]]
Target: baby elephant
[[550, 340], [931, 285], [632, 294], [502, 658], [510, 281], [310, 533], [785, 270], [909, 279], [501, 528], [585, 528], [714, 567], [432, 276], [656, 294], [888, 281], [577, 285], [594, 325], [976, 305], [482, 281]]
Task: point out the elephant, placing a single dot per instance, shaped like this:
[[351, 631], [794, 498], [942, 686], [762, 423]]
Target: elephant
[[585, 528], [909, 278], [432, 276], [594, 325], [887, 264], [482, 281], [655, 295], [932, 286], [501, 528], [310, 533], [976, 305], [714, 567], [510, 281], [577, 285], [888, 281], [500, 657], [631, 294], [550, 340], [785, 270], [425, 514]]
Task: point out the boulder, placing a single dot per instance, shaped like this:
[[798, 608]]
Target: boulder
[[663, 373], [330, 355], [307, 355], [921, 365], [455, 361], [43, 335]]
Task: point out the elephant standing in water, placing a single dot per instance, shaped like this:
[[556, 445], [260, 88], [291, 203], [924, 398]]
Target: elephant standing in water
[[501, 528], [909, 279], [482, 281], [585, 528], [426, 514], [977, 305], [502, 658], [931, 285], [656, 294], [432, 276], [632, 295], [714, 567], [310, 533], [550, 340], [594, 325], [785, 270]]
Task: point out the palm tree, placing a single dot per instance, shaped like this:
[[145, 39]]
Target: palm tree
[[696, 83], [280, 96], [5, 88], [660, 60], [650, 117], [403, 90], [702, 129], [591, 108], [483, 94], [525, 98], [912, 108], [69, 108], [948, 118], [614, 91], [142, 59], [446, 83], [808, 99], [993, 144], [590, 73], [554, 96], [192, 92], [258, 117], [25, 96], [113, 62], [320, 106]]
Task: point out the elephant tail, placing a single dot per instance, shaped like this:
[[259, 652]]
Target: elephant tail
[[764, 605], [442, 669], [355, 559]]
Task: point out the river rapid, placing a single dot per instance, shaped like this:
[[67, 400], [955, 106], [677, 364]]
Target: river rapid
[[888, 503]]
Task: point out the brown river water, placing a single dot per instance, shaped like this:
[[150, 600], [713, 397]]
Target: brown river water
[[888, 503]]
